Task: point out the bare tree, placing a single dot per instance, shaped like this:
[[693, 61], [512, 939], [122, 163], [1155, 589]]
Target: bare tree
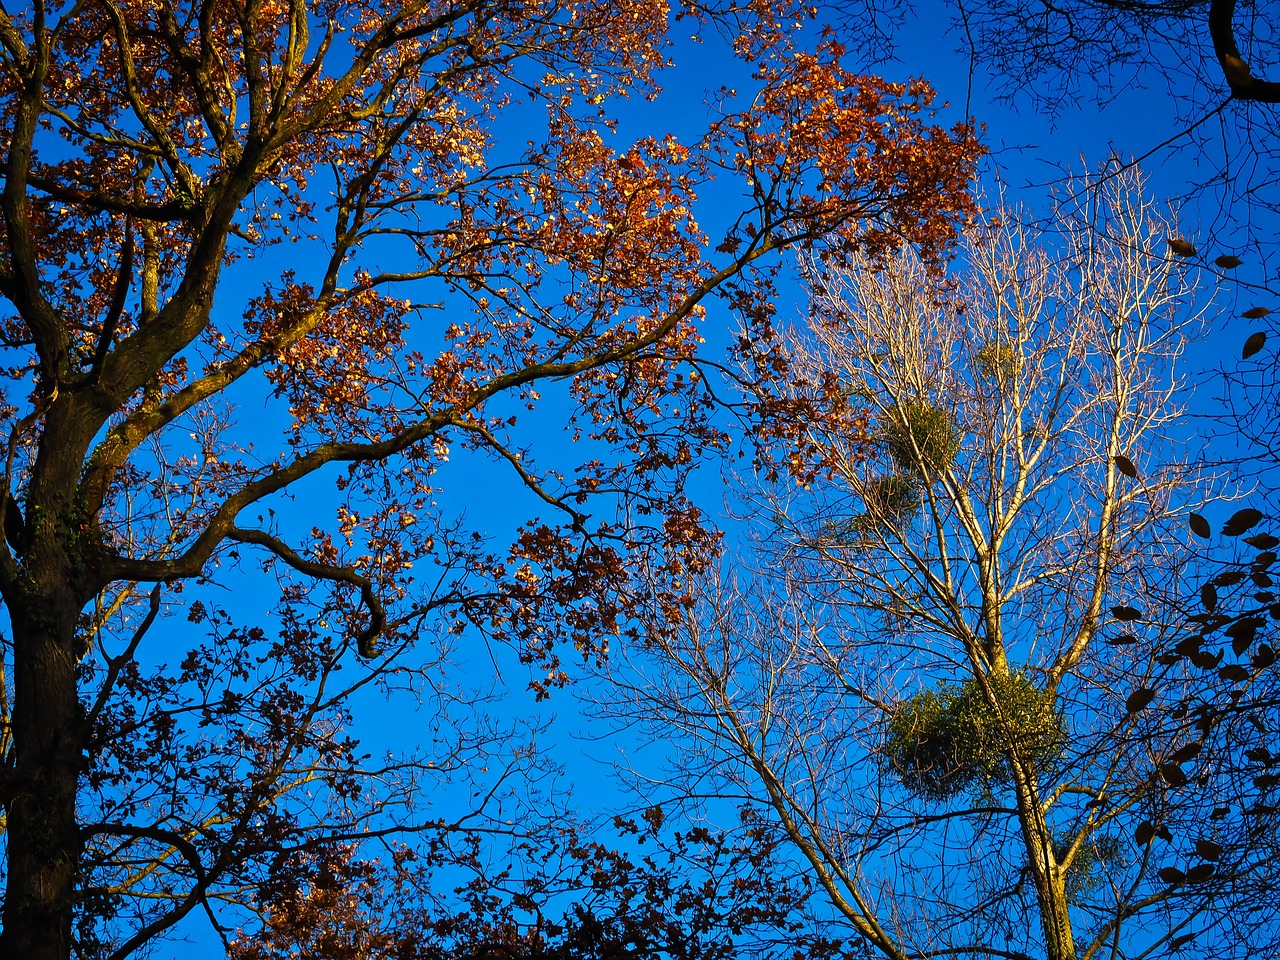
[[946, 680]]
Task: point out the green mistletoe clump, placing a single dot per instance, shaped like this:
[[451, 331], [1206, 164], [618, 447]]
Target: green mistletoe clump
[[941, 742], [921, 435]]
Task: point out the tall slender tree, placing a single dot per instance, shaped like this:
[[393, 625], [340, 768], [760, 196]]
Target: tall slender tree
[[956, 678]]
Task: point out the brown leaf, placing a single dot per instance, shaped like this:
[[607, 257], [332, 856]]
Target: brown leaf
[[1199, 526], [1253, 313], [1255, 343], [729, 245], [1139, 699], [1189, 645], [1180, 247], [1243, 632], [1208, 850], [1126, 614], [1186, 752], [1241, 521], [1200, 873], [1125, 465], [1205, 660], [1234, 673], [1228, 262]]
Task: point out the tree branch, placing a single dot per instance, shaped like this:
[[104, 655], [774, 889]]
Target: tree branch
[[1244, 85], [189, 853], [124, 277], [324, 571]]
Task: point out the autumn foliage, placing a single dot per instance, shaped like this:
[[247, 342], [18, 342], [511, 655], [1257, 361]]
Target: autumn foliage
[[269, 267]]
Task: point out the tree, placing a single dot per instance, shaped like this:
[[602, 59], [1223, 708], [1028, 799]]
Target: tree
[[210, 208], [956, 677]]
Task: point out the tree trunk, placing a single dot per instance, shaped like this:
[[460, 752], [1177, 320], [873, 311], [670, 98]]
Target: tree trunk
[[48, 744], [1046, 872], [54, 580]]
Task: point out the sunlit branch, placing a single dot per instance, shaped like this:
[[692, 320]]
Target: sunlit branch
[[189, 852]]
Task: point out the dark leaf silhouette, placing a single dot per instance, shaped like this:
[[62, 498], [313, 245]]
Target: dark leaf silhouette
[[1241, 521], [1253, 344], [1200, 872], [1189, 645], [1243, 632], [1199, 526], [1187, 752], [1208, 850], [1125, 465], [1234, 673], [1139, 699], [1206, 660]]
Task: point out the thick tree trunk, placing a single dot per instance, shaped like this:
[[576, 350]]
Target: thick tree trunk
[[48, 744], [53, 581]]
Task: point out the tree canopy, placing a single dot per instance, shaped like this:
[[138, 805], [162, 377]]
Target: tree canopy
[[319, 211], [345, 342]]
